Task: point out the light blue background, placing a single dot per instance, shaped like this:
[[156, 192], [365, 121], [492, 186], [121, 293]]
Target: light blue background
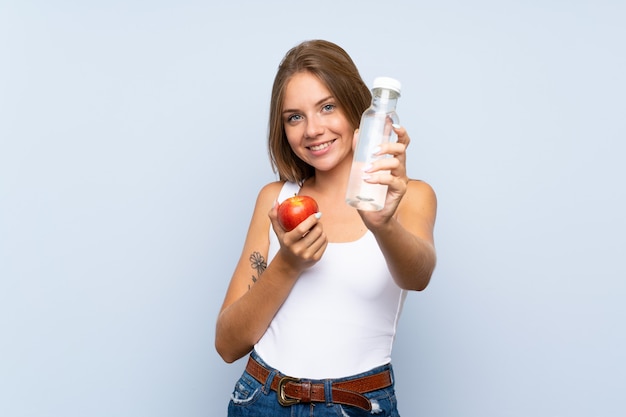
[[132, 146]]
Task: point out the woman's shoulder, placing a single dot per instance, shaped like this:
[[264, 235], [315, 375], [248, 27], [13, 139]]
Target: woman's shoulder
[[419, 186], [419, 191], [267, 196], [272, 187], [270, 191], [277, 191], [418, 208]]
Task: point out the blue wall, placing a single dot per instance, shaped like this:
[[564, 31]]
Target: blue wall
[[132, 146]]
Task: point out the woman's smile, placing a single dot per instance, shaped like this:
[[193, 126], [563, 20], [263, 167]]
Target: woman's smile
[[321, 146]]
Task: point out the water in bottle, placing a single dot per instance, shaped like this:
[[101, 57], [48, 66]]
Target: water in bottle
[[374, 130]]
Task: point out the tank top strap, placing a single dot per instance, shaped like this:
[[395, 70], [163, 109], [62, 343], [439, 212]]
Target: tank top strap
[[289, 190]]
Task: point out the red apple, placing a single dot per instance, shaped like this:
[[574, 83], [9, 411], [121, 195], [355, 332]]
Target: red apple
[[295, 210]]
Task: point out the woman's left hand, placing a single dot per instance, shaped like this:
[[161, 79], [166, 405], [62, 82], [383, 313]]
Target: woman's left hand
[[396, 178]]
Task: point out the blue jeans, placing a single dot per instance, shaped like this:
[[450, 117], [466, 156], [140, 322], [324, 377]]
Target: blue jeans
[[251, 398]]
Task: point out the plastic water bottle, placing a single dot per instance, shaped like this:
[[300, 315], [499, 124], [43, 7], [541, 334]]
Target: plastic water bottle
[[374, 130]]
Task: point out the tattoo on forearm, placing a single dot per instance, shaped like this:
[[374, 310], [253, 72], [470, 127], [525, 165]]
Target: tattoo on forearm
[[258, 263]]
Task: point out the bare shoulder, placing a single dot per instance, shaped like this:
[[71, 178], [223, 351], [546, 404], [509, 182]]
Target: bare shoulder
[[419, 192], [269, 192], [264, 203], [418, 208]]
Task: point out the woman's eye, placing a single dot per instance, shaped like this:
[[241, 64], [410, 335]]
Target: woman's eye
[[329, 107], [294, 118]]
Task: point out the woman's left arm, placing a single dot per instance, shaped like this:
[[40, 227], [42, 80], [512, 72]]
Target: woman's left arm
[[404, 228], [406, 239]]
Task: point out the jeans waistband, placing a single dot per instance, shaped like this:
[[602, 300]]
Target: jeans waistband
[[347, 391]]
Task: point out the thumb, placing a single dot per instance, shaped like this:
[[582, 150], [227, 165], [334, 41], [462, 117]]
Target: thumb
[[273, 215]]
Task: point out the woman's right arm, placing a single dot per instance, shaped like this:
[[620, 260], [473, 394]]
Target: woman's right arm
[[253, 299]]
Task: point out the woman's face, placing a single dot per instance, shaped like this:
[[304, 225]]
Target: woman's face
[[317, 129]]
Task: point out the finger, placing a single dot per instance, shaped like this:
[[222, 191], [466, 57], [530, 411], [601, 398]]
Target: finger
[[383, 164], [394, 149], [305, 227], [315, 239], [403, 136], [319, 250], [385, 178], [273, 215], [307, 247], [312, 235], [386, 171], [389, 148], [396, 158]]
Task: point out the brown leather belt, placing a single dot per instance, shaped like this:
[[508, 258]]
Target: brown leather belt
[[293, 390]]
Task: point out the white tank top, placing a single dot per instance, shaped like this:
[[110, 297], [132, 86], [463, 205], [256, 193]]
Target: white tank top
[[341, 316]]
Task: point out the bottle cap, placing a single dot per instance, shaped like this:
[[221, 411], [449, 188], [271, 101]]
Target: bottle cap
[[387, 82]]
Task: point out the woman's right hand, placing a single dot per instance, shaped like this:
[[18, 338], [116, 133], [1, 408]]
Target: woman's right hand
[[303, 246]]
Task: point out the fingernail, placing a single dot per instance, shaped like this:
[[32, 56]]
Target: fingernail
[[318, 215], [376, 150], [396, 126], [367, 167], [366, 177]]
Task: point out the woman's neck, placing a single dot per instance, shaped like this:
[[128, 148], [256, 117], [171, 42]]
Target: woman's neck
[[333, 182]]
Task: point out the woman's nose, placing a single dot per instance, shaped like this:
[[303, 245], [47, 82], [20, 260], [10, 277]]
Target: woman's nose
[[314, 127]]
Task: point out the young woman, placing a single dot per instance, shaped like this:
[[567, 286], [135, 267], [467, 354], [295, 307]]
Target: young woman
[[316, 308]]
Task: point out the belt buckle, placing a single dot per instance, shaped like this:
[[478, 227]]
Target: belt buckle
[[282, 398]]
